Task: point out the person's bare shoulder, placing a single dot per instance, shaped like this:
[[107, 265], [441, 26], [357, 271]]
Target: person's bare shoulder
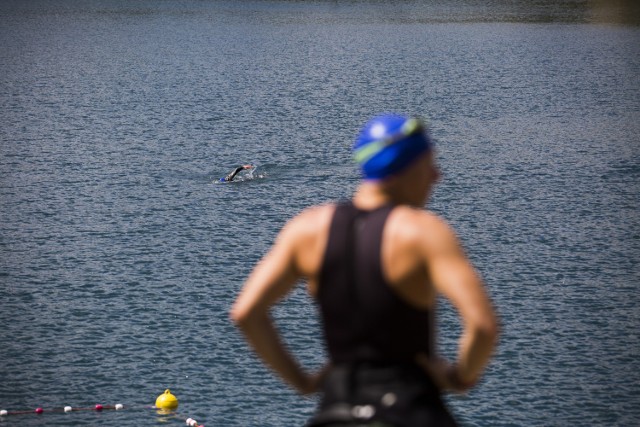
[[307, 234], [420, 227], [412, 219], [312, 218], [308, 227]]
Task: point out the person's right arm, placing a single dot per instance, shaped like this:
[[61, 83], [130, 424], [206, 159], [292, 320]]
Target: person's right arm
[[271, 280]]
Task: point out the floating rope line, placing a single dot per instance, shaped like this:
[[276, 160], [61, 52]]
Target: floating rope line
[[117, 407], [167, 405], [98, 407]]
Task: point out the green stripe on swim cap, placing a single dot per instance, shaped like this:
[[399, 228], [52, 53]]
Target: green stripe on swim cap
[[411, 126], [366, 152]]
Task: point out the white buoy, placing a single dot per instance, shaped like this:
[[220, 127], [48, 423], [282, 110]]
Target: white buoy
[[68, 409], [4, 412], [119, 406]]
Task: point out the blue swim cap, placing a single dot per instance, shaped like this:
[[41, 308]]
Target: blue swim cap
[[389, 143]]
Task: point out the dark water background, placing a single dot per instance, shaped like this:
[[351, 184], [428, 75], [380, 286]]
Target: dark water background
[[120, 256]]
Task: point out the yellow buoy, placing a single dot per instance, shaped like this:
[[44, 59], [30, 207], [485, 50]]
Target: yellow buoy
[[167, 401]]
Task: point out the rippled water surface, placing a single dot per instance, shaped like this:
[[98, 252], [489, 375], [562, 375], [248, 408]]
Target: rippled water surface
[[120, 255]]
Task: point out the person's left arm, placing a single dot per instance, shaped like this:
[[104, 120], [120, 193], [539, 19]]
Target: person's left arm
[[272, 279]]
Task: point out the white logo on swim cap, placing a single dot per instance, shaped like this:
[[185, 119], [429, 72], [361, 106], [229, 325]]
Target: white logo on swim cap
[[378, 130]]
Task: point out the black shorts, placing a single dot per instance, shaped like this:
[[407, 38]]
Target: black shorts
[[367, 394]]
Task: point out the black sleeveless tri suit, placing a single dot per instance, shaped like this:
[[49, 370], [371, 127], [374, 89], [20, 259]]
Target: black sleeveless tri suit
[[372, 335]]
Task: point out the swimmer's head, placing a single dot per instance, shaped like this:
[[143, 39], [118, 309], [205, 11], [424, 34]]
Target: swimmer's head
[[388, 143]]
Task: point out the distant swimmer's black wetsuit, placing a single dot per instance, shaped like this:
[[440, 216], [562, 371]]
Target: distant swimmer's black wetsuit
[[232, 174], [373, 336]]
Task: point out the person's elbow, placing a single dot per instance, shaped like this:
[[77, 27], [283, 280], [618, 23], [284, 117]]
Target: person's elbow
[[243, 316], [487, 327], [239, 315], [236, 315]]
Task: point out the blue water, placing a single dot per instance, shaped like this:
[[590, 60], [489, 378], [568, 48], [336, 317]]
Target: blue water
[[120, 255]]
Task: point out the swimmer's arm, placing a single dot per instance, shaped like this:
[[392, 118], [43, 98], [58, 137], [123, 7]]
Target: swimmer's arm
[[234, 173], [272, 279], [455, 278]]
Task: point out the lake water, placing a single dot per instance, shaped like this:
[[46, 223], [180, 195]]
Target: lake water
[[120, 255]]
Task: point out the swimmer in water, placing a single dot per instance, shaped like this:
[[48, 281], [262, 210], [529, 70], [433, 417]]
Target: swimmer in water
[[233, 174]]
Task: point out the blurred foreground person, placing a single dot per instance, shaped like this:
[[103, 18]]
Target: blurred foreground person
[[375, 265]]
